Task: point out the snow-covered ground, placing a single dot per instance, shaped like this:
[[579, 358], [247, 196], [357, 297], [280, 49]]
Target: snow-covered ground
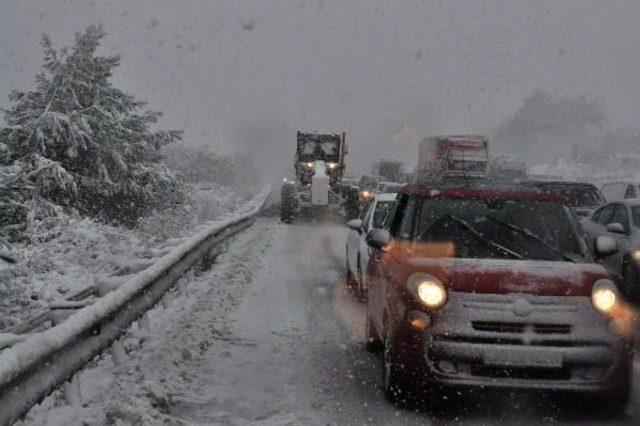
[[268, 336], [67, 254]]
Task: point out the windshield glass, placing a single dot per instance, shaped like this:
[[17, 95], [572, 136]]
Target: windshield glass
[[320, 147], [484, 229], [579, 196], [381, 213]]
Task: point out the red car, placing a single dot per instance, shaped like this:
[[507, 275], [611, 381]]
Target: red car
[[494, 287]]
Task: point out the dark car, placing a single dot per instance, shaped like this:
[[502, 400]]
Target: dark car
[[583, 198], [494, 288]]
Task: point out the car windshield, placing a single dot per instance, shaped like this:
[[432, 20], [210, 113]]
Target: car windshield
[[579, 196], [501, 228], [381, 213]]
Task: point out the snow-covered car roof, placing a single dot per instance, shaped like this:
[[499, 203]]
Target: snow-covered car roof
[[489, 192], [387, 196]]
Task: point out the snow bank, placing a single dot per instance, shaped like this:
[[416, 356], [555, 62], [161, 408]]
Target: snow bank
[[67, 254], [35, 348]]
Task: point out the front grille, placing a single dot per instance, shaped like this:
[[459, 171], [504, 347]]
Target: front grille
[[520, 327], [521, 373]]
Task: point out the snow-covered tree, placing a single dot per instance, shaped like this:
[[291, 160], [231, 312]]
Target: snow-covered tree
[[84, 143]]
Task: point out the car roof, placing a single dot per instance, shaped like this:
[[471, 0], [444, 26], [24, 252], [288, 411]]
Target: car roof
[[629, 202], [559, 184], [387, 196], [489, 191], [626, 182]]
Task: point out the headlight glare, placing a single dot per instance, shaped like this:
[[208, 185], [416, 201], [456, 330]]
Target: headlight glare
[[604, 296], [428, 290]]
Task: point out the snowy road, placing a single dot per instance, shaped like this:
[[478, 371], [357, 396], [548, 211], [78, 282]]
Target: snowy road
[[269, 336]]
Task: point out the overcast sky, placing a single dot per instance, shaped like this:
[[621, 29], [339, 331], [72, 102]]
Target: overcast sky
[[248, 74]]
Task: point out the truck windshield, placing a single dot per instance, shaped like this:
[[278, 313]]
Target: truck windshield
[[320, 147], [520, 229]]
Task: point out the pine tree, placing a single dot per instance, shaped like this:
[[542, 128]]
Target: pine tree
[[86, 144]]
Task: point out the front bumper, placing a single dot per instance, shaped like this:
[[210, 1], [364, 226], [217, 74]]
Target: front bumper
[[524, 341]]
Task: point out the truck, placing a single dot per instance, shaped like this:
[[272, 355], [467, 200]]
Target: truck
[[452, 157], [317, 188], [389, 170], [507, 168]]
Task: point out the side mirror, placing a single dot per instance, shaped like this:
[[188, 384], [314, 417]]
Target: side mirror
[[616, 228], [605, 246], [355, 225], [378, 238]]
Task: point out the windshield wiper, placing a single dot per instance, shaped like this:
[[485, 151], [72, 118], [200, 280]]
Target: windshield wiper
[[482, 239], [531, 236]]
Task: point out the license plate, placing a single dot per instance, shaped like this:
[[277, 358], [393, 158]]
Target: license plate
[[523, 357]]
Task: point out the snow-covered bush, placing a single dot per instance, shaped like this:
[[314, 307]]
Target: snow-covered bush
[[85, 144]]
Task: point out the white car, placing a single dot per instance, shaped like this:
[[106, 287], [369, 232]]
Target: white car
[[373, 215], [620, 190]]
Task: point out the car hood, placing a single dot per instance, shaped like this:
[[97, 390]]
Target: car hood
[[502, 276]]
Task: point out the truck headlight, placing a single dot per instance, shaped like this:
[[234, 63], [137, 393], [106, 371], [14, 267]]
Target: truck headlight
[[604, 296], [428, 289], [366, 194]]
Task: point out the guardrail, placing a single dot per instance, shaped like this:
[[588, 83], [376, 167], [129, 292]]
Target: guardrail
[[34, 365]]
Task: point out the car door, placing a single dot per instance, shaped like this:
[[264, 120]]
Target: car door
[[596, 224], [363, 248], [621, 216], [353, 242], [381, 266]]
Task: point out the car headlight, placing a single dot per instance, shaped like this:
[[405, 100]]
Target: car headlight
[[428, 289], [604, 296], [310, 164], [332, 165], [366, 194], [636, 255]]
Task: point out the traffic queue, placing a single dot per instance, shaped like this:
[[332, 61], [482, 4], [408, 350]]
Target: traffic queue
[[474, 282]]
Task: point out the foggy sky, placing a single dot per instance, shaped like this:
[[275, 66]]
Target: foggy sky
[[245, 75]]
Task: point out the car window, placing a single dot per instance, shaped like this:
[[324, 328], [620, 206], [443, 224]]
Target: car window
[[381, 212], [402, 223], [631, 192], [364, 210], [367, 215], [635, 216], [604, 215], [621, 216]]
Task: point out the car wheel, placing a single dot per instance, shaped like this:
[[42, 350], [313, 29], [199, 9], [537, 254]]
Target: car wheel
[[394, 382], [630, 281], [371, 341]]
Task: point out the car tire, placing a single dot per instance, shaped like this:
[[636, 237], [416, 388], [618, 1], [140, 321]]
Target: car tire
[[371, 341], [395, 384], [630, 281]]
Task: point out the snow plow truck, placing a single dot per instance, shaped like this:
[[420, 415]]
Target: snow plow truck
[[317, 189]]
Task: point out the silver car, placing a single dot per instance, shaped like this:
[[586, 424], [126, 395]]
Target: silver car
[[357, 252], [621, 221]]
